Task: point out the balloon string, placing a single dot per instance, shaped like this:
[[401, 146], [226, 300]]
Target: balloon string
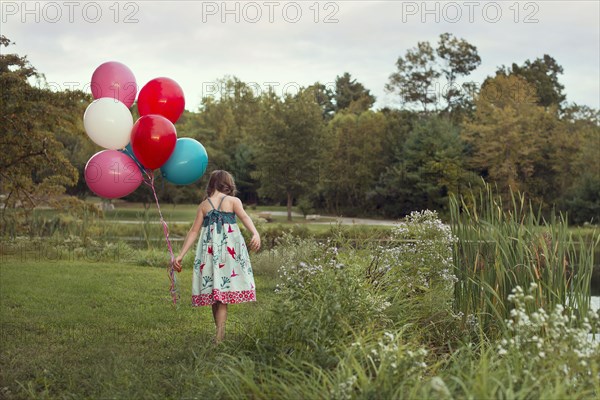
[[173, 289], [130, 154]]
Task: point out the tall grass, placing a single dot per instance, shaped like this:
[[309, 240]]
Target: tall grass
[[501, 246]]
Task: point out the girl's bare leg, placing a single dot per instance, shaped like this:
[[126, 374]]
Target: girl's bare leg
[[220, 315]]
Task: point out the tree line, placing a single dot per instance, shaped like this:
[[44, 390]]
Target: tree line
[[326, 149]]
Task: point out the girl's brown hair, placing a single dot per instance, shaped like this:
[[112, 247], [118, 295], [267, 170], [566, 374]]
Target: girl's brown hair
[[222, 181]]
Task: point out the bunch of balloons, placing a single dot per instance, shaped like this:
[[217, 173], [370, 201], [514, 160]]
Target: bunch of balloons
[[135, 150]]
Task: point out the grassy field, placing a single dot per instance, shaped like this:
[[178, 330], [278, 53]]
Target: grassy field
[[106, 329]]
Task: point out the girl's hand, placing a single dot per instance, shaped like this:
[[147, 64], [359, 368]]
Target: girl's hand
[[255, 242], [177, 263]]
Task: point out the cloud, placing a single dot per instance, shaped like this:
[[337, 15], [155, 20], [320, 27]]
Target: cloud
[[181, 40]]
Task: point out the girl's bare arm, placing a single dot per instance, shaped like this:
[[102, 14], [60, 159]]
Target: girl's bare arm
[[190, 238], [238, 208]]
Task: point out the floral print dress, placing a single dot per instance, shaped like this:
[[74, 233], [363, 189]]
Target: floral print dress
[[222, 270]]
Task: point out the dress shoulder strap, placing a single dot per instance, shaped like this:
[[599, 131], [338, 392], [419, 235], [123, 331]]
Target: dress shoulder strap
[[221, 202], [211, 204]]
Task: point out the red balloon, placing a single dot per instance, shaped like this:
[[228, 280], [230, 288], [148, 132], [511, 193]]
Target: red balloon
[[153, 139], [162, 96]]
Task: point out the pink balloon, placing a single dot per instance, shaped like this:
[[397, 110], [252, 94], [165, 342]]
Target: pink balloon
[[115, 80], [112, 174]]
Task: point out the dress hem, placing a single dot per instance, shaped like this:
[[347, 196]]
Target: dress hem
[[233, 297]]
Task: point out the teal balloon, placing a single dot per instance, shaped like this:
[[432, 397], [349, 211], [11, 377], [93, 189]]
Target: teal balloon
[[129, 151], [187, 163]]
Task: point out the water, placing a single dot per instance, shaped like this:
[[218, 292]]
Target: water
[[595, 304]]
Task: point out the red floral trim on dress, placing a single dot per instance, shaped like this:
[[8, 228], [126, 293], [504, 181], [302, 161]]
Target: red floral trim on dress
[[240, 296]]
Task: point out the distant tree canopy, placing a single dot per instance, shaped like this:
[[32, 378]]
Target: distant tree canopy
[[542, 73], [507, 133], [328, 150], [351, 95], [416, 79], [40, 133], [287, 144]]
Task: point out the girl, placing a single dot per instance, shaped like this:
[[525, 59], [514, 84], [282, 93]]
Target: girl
[[222, 270]]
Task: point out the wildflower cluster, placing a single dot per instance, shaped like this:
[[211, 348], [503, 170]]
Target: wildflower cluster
[[554, 337], [385, 359], [300, 260], [420, 256], [320, 274], [344, 389], [390, 353], [324, 298]]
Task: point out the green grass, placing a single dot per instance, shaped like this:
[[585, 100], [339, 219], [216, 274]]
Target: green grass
[[82, 329]]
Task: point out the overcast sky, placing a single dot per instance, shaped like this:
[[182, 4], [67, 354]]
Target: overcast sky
[[297, 43]]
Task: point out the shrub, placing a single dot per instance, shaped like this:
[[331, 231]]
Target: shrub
[[415, 274], [321, 301]]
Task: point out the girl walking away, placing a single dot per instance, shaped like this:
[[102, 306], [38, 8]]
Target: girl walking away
[[222, 271]]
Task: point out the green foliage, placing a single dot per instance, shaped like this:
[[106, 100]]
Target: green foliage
[[427, 169], [324, 97], [580, 178], [325, 149], [329, 330], [322, 301], [507, 133], [352, 160], [305, 206], [381, 364], [35, 165], [416, 78], [541, 336], [417, 260], [542, 73], [351, 95], [287, 142], [415, 272]]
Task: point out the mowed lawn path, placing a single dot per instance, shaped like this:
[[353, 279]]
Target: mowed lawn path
[[73, 329]]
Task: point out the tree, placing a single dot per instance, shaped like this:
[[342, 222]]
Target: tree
[[229, 123], [415, 75], [352, 159], [542, 73], [34, 167], [351, 95], [581, 194], [416, 78], [460, 58], [508, 132], [324, 96], [288, 139], [429, 167], [242, 166]]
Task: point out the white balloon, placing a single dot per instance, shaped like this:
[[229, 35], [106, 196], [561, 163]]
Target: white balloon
[[108, 123]]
